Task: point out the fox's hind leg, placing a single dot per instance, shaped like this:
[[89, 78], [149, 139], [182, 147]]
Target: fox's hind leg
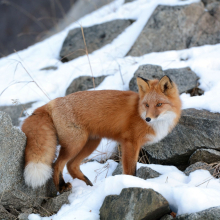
[[74, 163], [71, 144]]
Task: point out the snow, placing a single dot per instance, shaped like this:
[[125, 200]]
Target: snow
[[22, 81], [184, 193]]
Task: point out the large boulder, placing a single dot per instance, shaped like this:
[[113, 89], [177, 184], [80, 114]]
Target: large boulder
[[208, 214], [179, 27], [205, 155], [136, 204], [199, 166], [206, 2], [185, 78], [14, 194], [83, 83], [196, 129], [96, 37], [16, 111]]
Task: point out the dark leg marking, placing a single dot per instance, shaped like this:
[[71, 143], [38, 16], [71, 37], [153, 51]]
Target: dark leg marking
[[135, 172], [62, 185], [88, 182]]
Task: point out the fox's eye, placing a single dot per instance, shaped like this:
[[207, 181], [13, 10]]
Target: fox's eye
[[147, 105], [159, 104]]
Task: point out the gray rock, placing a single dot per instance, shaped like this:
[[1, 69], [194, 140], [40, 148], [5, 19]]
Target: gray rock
[[142, 172], [4, 214], [185, 78], [49, 68], [118, 170], [96, 37], [205, 155], [167, 217], [207, 31], [16, 111], [128, 1], [134, 203], [206, 2], [83, 83], [147, 173], [14, 194], [23, 216], [146, 71], [178, 27], [208, 214], [53, 205], [199, 166], [25, 213], [196, 129]]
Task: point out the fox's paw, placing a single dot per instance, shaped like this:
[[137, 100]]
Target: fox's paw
[[87, 181], [65, 187]]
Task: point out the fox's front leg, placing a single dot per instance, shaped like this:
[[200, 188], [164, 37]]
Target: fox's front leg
[[130, 152]]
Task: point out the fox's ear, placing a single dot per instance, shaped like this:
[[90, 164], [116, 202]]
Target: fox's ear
[[165, 84], [143, 85]]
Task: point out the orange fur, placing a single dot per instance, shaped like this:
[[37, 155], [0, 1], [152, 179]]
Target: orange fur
[[80, 120]]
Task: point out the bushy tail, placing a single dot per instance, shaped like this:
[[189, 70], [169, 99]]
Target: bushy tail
[[40, 148]]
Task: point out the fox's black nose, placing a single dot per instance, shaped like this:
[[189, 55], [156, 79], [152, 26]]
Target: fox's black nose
[[148, 119]]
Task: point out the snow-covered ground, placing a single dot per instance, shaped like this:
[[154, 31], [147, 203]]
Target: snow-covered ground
[[18, 71], [184, 193]]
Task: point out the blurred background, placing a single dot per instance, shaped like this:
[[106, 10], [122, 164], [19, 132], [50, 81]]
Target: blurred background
[[25, 22]]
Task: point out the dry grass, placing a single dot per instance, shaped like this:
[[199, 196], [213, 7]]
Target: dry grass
[[216, 167], [117, 156], [143, 158], [39, 207], [26, 82], [213, 168], [24, 110], [101, 170], [36, 207], [87, 54]]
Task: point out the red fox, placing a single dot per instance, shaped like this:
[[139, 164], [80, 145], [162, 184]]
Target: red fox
[[80, 120]]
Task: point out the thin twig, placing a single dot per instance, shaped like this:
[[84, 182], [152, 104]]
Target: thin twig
[[14, 84], [208, 179], [29, 81], [87, 55]]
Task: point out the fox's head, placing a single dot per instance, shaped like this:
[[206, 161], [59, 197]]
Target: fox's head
[[159, 100]]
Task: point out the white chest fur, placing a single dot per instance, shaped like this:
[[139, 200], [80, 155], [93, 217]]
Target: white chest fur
[[161, 125]]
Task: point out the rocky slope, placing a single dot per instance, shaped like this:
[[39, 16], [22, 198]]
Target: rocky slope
[[193, 144]]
